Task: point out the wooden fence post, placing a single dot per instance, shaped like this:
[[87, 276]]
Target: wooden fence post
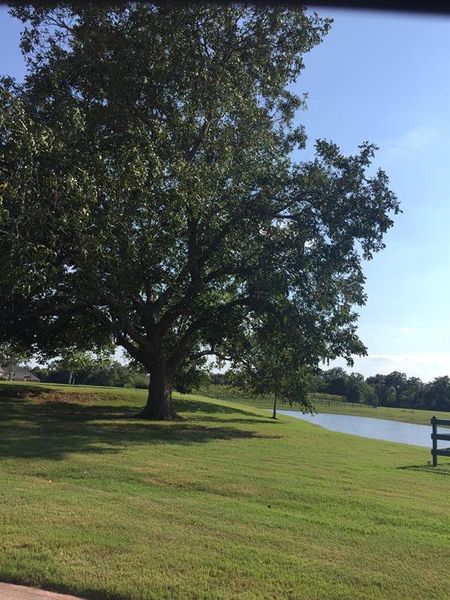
[[434, 441]]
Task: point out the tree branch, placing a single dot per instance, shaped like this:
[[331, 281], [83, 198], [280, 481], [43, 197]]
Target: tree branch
[[181, 350]]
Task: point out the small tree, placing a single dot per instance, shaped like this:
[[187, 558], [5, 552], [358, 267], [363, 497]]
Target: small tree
[[270, 362]]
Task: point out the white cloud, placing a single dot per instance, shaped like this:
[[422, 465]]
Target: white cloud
[[412, 142]]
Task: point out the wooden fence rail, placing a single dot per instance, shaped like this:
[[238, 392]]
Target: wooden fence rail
[[435, 436]]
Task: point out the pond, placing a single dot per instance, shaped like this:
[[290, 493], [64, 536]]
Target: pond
[[379, 429]]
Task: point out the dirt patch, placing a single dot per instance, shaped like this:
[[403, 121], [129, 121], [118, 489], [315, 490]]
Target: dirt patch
[[71, 397], [10, 591]]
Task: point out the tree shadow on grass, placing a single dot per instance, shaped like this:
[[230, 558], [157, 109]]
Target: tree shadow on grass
[[258, 421], [195, 406], [52, 429], [443, 469]]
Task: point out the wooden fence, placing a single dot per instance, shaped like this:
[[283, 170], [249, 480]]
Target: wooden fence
[[435, 436]]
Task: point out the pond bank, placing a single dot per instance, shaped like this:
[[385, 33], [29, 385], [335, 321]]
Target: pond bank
[[370, 427]]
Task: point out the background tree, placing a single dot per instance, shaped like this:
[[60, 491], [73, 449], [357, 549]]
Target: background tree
[[378, 383], [149, 194], [411, 394], [437, 394], [335, 381], [73, 361], [359, 391], [270, 362]]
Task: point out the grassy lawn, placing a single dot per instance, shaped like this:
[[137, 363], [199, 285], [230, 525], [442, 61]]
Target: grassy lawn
[[325, 403], [222, 503]]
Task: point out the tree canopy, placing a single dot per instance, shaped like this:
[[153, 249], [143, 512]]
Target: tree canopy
[[149, 193]]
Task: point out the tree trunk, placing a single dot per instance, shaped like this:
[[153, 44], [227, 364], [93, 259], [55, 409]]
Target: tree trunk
[[274, 413], [159, 403]]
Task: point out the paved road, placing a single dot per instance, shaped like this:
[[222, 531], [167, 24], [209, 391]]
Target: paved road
[[9, 591]]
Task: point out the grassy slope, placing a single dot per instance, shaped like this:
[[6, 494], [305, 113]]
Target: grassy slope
[[225, 503], [331, 404]]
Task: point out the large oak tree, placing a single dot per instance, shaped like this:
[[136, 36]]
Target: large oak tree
[[149, 194]]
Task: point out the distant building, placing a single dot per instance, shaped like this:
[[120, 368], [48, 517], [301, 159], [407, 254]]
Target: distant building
[[17, 374]]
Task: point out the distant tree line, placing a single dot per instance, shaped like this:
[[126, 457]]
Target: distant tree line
[[101, 372], [393, 390]]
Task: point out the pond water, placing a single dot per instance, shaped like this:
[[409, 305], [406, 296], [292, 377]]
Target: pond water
[[379, 429]]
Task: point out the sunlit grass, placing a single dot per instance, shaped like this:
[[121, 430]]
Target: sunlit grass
[[222, 503]]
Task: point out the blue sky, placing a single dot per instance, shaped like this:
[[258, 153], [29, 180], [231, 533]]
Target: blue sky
[[385, 78], [382, 77]]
